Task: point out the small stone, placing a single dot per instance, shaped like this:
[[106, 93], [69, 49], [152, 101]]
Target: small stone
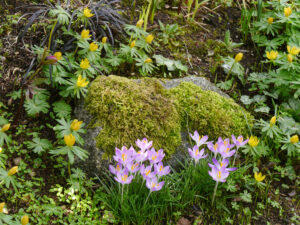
[[17, 161], [183, 221]]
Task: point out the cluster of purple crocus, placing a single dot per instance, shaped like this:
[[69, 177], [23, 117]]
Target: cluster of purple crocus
[[222, 151], [147, 162]]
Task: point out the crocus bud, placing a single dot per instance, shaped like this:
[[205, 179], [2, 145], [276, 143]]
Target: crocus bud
[[69, 140], [132, 44], [104, 39], [50, 60], [75, 125], [287, 11], [12, 171], [25, 220], [238, 57], [149, 38], [2, 204], [270, 20], [294, 139], [5, 127], [140, 23], [273, 121]]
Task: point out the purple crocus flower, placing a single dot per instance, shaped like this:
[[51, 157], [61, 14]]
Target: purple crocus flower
[[144, 144], [219, 175], [221, 165], [117, 169], [155, 157], [141, 156], [239, 142], [161, 170], [225, 152], [198, 139], [124, 156], [153, 184], [123, 177], [213, 147], [146, 172], [133, 167], [196, 154]]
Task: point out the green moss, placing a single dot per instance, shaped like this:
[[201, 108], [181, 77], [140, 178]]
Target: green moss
[[208, 112], [127, 110]]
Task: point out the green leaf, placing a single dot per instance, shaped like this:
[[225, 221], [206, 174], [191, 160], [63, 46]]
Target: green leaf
[[39, 145], [62, 109]]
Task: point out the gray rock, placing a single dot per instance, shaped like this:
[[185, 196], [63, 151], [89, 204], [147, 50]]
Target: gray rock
[[95, 163]]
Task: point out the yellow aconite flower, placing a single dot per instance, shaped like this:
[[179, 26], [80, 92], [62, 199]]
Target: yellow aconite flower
[[12, 171], [149, 38], [132, 44], [253, 141], [85, 34], [81, 82], [75, 125], [270, 20], [104, 39], [93, 47], [238, 57], [148, 60], [0, 149], [25, 220], [2, 204], [140, 23], [293, 50], [287, 11], [84, 64], [272, 55], [294, 139], [259, 177], [5, 127], [290, 58], [69, 140], [87, 13], [273, 121]]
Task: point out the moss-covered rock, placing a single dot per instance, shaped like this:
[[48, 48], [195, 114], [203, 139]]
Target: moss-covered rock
[[208, 112], [129, 109]]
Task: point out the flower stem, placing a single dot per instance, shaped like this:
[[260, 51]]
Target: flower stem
[[51, 33], [147, 198], [69, 168], [214, 195], [235, 156], [229, 72], [122, 193]]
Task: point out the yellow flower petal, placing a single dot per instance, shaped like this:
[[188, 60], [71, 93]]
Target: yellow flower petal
[[5, 127], [12, 171], [2, 204], [253, 141], [294, 139], [238, 57], [25, 220], [93, 47], [75, 125], [58, 55], [85, 34], [84, 64], [87, 13], [69, 140], [140, 23]]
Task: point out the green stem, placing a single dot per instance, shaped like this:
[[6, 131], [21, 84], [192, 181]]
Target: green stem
[[51, 34], [122, 193], [147, 198], [69, 168], [214, 195], [230, 71], [235, 156]]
